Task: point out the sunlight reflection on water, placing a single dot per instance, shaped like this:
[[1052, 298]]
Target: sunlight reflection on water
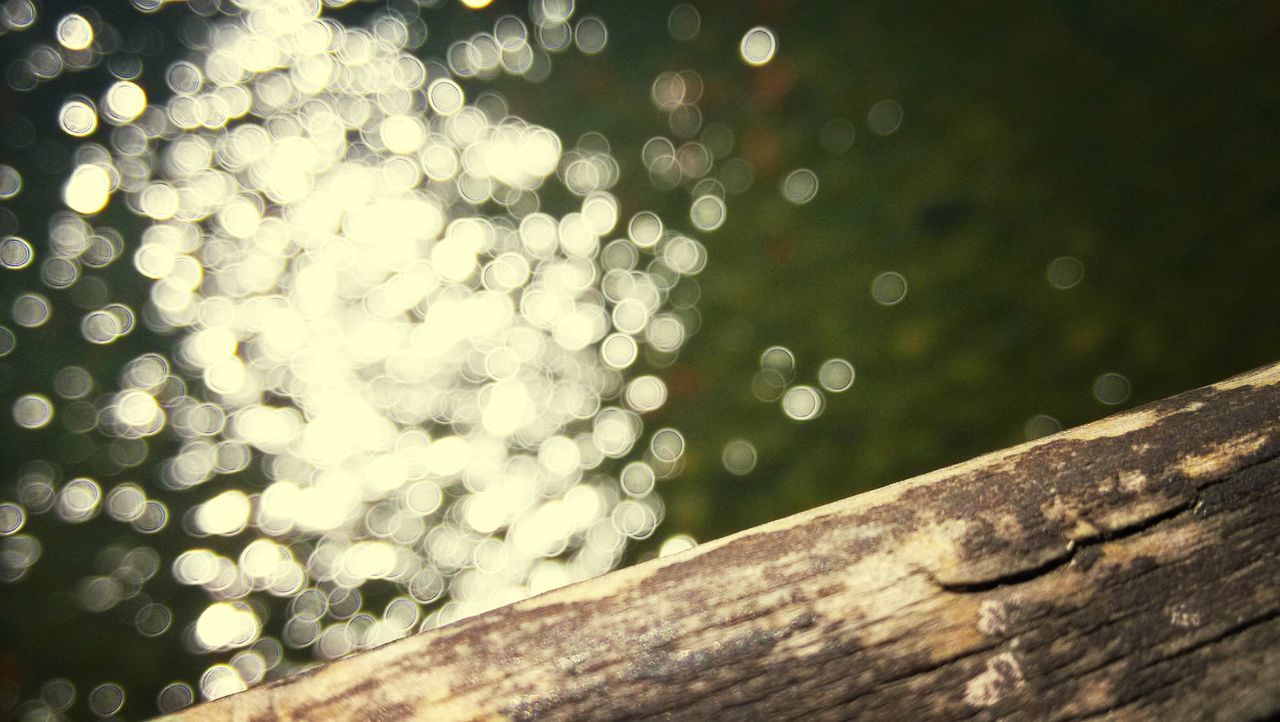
[[373, 306]]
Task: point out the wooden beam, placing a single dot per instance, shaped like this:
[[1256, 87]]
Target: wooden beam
[[1127, 569]]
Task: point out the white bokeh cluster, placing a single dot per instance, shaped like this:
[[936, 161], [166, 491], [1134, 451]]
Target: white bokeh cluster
[[431, 370], [408, 328]]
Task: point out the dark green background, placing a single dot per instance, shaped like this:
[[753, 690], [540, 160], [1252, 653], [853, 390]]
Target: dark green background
[[1141, 138]]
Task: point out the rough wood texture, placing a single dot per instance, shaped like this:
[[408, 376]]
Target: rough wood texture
[[1128, 569]]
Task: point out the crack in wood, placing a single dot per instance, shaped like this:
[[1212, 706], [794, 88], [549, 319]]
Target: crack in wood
[[1074, 547]]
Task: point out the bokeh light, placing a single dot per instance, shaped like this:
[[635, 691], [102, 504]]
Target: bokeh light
[[10, 182], [803, 403], [885, 117], [88, 189], [78, 117], [1065, 272], [683, 22], [1112, 388], [31, 310], [1040, 425], [32, 411], [836, 375], [74, 32], [16, 253], [758, 46], [124, 102], [800, 186], [889, 288], [676, 544], [707, 213], [837, 135], [106, 699], [739, 457]]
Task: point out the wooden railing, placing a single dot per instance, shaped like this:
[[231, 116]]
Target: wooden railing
[[1127, 569]]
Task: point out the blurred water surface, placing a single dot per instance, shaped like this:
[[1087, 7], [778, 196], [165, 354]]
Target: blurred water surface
[[323, 323]]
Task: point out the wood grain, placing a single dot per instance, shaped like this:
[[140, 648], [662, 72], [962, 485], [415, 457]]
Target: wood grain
[[1128, 569]]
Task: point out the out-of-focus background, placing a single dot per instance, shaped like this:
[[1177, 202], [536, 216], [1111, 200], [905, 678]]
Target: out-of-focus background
[[947, 228]]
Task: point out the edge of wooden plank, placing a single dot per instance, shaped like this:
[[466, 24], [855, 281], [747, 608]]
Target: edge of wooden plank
[[975, 544]]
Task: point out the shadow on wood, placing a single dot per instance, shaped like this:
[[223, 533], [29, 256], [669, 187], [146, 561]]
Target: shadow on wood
[[1126, 569]]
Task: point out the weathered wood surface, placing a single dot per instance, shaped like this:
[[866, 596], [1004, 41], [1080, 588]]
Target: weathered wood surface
[[1128, 569]]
